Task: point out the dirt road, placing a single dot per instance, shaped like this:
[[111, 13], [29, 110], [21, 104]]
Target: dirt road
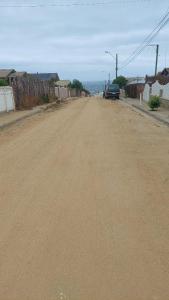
[[84, 205]]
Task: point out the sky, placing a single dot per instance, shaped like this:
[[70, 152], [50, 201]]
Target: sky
[[72, 40]]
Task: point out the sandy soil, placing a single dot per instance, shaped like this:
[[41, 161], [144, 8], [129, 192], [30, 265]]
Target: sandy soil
[[84, 205]]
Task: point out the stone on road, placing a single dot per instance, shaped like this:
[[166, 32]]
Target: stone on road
[[84, 205]]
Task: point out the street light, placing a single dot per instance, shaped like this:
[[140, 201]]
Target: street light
[[108, 52], [116, 58]]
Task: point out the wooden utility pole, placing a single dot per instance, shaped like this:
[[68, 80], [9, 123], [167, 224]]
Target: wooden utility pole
[[116, 66], [157, 54], [108, 52]]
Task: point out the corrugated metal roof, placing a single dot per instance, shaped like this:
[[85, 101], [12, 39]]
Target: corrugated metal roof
[[5, 72], [131, 79], [137, 81], [46, 76]]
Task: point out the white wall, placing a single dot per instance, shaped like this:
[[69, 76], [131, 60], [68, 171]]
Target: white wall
[[6, 99], [62, 93], [73, 93], [146, 93], [156, 88]]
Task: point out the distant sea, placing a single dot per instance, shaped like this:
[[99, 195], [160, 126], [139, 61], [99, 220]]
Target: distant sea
[[94, 87]]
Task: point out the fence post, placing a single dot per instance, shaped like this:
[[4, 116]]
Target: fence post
[[140, 98]]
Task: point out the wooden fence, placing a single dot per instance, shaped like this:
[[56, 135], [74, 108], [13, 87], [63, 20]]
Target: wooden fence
[[134, 90], [30, 91]]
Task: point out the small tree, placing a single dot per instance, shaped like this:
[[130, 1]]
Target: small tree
[[154, 102], [121, 81], [3, 82], [76, 84]]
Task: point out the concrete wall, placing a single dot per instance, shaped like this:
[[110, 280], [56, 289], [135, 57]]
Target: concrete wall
[[160, 90], [62, 93], [6, 99], [146, 93], [156, 90], [73, 93]]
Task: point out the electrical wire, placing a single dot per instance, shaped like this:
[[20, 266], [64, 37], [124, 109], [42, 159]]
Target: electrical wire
[[162, 23], [73, 3]]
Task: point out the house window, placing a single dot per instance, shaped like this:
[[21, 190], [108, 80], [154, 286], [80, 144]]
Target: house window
[[161, 93]]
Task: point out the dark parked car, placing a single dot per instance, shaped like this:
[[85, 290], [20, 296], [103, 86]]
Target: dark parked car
[[112, 91]]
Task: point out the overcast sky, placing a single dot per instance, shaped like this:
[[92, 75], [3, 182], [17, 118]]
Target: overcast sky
[[72, 40]]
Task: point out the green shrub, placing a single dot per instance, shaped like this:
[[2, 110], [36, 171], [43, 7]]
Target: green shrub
[[121, 81], [3, 82], [154, 102], [45, 99]]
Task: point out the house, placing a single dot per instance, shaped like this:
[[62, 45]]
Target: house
[[5, 73], [158, 86], [161, 77], [165, 72], [135, 87], [46, 76], [16, 75]]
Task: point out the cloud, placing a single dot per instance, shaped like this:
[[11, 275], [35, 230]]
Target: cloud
[[73, 40]]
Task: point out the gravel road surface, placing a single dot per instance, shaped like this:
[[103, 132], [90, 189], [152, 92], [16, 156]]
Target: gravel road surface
[[84, 205]]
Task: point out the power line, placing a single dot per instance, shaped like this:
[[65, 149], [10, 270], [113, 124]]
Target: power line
[[149, 38], [162, 23], [150, 35], [75, 3], [142, 49]]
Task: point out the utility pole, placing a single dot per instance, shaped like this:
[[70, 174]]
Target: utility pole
[[157, 54], [115, 58], [116, 66], [109, 79]]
